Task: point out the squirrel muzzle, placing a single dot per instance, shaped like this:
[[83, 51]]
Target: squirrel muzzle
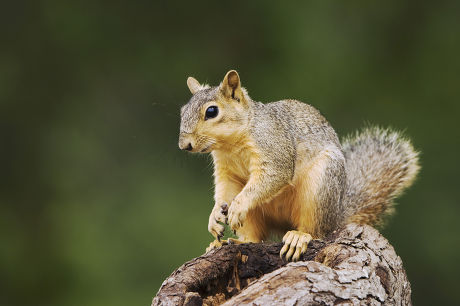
[[185, 142]]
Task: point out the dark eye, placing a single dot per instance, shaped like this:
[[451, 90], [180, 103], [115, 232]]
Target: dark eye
[[211, 112]]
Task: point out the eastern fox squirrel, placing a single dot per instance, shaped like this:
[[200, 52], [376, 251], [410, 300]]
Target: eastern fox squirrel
[[281, 169]]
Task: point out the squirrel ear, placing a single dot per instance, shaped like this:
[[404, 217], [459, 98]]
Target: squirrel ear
[[231, 86], [193, 85]]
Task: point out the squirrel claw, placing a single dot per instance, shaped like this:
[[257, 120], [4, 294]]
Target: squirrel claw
[[295, 244], [224, 209]]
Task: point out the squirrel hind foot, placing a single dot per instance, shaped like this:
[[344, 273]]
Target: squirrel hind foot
[[218, 243], [215, 245], [295, 244]]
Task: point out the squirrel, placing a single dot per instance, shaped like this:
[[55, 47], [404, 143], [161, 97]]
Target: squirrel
[[280, 169]]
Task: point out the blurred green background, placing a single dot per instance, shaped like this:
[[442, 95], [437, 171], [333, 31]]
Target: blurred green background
[[97, 203]]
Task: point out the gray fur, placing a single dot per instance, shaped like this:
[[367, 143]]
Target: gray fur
[[380, 165], [292, 123], [190, 114]]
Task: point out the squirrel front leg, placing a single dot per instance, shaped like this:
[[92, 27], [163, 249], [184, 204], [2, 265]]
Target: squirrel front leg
[[260, 188], [225, 191]]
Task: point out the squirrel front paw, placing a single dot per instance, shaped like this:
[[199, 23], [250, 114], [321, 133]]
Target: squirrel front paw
[[236, 215], [217, 215]]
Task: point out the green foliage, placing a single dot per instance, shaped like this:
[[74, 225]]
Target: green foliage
[[97, 203]]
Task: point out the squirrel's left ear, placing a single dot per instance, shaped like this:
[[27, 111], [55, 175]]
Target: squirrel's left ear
[[231, 86], [193, 85]]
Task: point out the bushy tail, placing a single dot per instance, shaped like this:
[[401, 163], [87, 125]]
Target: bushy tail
[[380, 164]]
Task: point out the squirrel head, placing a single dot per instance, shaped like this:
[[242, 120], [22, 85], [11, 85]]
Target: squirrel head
[[215, 117]]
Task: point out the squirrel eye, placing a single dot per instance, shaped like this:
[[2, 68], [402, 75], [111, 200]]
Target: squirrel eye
[[211, 112]]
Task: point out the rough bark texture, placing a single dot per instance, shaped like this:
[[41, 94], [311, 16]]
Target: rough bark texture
[[356, 265]]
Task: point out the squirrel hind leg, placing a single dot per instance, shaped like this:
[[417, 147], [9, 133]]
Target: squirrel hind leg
[[295, 244]]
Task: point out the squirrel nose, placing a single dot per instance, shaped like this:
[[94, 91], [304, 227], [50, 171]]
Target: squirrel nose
[[185, 142], [187, 147]]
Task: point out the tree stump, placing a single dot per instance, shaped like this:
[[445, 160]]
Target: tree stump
[[355, 265]]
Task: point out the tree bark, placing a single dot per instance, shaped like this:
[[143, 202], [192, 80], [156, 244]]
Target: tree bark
[[355, 265]]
